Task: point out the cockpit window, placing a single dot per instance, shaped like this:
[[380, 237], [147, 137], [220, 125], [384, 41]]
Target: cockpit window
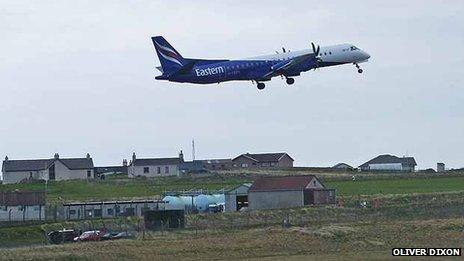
[[353, 48]]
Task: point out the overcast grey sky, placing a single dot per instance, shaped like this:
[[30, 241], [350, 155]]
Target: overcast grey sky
[[78, 77]]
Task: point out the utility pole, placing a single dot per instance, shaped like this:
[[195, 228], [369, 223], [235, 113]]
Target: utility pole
[[193, 149]]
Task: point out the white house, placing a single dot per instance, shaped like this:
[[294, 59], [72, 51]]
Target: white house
[[155, 167], [57, 168], [388, 162]]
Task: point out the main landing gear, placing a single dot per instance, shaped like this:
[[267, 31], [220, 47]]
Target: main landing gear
[[261, 85], [290, 81], [359, 68]]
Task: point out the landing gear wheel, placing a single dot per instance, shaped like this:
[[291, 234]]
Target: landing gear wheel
[[359, 68], [261, 85], [290, 81]]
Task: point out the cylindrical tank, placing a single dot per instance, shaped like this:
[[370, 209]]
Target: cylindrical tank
[[201, 202], [174, 203], [219, 198], [187, 200]]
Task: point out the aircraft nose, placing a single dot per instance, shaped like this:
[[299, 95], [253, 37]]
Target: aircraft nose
[[366, 55]]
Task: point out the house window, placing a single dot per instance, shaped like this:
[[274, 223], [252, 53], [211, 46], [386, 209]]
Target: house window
[[265, 164], [89, 174], [146, 170], [158, 170], [273, 164], [97, 212], [166, 169], [109, 211], [244, 165], [72, 212]]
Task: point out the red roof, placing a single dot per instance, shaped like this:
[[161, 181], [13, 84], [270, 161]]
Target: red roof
[[281, 183]]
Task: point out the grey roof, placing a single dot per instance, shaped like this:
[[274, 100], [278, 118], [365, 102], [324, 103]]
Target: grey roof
[[156, 162], [42, 164], [386, 158], [78, 163], [342, 165], [265, 157]]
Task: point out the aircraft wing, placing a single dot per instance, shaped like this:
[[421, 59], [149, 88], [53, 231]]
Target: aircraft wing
[[285, 66]]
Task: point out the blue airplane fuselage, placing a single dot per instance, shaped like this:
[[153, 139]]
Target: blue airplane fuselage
[[176, 68]]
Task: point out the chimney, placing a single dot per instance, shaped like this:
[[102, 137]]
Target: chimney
[[134, 157], [124, 163], [88, 156], [181, 156], [56, 156]]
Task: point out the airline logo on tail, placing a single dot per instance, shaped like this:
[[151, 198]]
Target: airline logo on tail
[[169, 54]]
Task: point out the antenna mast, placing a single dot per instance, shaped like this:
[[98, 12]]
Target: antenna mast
[[193, 149]]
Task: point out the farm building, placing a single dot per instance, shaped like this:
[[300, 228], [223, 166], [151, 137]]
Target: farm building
[[217, 164], [191, 167], [342, 166], [22, 206], [237, 198], [155, 167], [390, 163], [57, 168], [440, 167], [109, 209], [288, 192], [263, 160]]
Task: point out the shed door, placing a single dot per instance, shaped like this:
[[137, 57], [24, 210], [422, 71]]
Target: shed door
[[308, 197]]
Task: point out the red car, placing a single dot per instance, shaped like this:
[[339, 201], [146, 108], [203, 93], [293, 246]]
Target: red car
[[93, 235]]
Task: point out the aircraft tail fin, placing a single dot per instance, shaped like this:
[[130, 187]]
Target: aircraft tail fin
[[171, 61]]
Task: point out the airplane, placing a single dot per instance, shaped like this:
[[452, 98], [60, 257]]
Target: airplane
[[287, 64]]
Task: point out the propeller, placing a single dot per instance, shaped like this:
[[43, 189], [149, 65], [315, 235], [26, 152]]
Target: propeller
[[316, 51], [283, 50]]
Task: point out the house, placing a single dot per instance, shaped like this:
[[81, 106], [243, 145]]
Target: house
[[389, 163], [57, 168], [342, 166], [288, 191], [22, 205], [237, 198], [263, 160], [155, 167]]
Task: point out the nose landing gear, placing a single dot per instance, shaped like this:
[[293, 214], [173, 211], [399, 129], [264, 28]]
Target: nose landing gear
[[359, 68], [260, 85]]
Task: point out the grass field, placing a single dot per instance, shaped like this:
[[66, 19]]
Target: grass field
[[122, 188], [357, 240], [397, 186]]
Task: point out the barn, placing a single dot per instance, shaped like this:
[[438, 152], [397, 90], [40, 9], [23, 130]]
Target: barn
[[237, 198], [288, 192]]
